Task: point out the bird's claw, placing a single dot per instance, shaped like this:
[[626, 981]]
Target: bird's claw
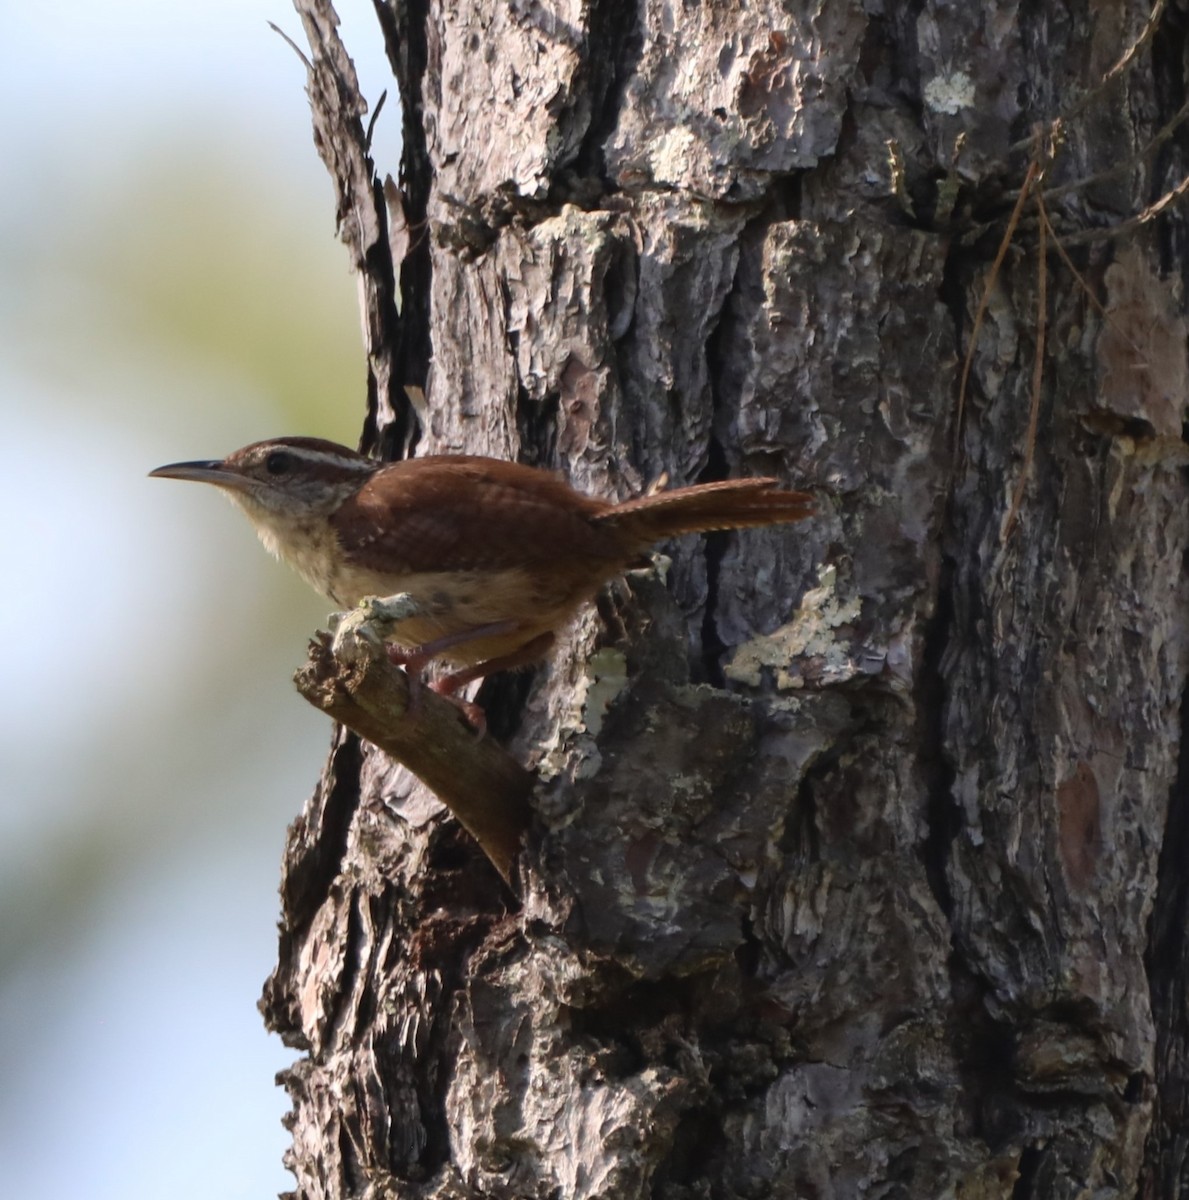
[[367, 627]]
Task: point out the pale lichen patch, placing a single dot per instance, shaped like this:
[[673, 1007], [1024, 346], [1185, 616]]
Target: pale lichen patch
[[812, 633], [950, 93], [602, 678], [605, 677]]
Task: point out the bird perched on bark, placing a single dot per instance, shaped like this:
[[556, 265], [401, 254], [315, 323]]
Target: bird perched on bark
[[497, 557]]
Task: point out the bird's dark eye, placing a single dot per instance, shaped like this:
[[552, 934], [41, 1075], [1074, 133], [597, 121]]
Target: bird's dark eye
[[278, 462]]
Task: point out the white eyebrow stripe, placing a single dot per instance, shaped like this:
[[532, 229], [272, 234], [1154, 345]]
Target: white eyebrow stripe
[[360, 466]]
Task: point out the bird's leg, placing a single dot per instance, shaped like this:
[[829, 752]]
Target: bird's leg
[[532, 650], [415, 659]]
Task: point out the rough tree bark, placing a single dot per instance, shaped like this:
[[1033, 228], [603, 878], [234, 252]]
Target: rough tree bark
[[858, 864]]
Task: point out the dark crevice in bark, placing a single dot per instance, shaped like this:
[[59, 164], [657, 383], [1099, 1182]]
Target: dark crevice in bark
[[352, 1175], [444, 949], [801, 837], [1027, 1174], [536, 420], [713, 647], [984, 1050], [721, 344], [403, 23], [460, 878], [891, 50], [361, 211], [614, 44], [1166, 961], [618, 1022], [503, 697], [448, 850], [1169, 48], [355, 954], [952, 294], [749, 953], [1042, 38], [536, 423], [695, 1156], [717, 467], [430, 1083], [307, 882], [787, 199], [396, 439], [942, 815]]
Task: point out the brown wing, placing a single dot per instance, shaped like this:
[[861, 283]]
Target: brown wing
[[457, 512]]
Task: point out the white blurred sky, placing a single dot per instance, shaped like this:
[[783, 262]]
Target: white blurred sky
[[152, 749]]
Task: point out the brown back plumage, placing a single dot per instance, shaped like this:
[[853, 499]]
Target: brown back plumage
[[455, 512]]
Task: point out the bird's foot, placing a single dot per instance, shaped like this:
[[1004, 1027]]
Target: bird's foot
[[370, 624], [474, 716]]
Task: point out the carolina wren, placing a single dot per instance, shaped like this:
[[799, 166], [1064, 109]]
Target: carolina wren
[[497, 555]]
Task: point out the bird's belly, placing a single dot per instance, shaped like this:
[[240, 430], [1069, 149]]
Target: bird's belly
[[453, 603]]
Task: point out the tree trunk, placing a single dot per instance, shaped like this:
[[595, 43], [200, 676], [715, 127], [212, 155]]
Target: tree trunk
[[858, 857]]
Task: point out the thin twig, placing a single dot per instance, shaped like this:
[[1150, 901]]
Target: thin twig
[[371, 125], [1125, 62], [1158, 139], [1095, 303], [1042, 312], [984, 300], [482, 785], [1126, 59], [309, 66], [1046, 227], [1155, 210]]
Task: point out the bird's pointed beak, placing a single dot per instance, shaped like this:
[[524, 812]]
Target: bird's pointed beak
[[214, 471]]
